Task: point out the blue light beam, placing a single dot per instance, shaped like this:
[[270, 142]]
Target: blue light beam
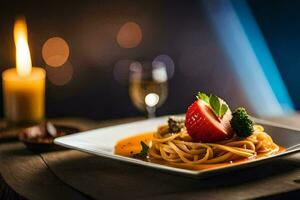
[[249, 56]]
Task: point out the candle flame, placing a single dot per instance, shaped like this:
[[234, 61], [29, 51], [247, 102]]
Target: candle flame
[[23, 60]]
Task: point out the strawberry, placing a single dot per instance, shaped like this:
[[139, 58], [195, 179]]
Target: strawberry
[[206, 121]]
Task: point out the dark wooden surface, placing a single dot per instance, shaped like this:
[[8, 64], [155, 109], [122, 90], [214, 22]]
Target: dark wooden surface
[[71, 174], [112, 180], [26, 175]]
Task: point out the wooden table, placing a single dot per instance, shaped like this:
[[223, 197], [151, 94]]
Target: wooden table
[[70, 174]]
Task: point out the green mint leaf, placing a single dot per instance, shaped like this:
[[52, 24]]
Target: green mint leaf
[[218, 106], [144, 152], [203, 96], [224, 109], [215, 104]]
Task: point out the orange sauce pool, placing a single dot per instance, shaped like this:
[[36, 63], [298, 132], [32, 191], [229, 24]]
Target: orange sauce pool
[[132, 145]]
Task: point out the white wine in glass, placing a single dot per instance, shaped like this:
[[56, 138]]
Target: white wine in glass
[[148, 87]]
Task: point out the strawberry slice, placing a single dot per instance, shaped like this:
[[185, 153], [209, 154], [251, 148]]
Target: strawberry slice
[[204, 125]]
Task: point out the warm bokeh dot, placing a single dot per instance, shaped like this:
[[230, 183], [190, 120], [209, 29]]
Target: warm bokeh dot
[[55, 51], [60, 75], [129, 35]]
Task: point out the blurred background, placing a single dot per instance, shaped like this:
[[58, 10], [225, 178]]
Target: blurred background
[[244, 51]]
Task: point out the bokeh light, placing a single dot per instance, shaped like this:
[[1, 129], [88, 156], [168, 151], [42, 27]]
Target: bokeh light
[[164, 61], [129, 35], [136, 66], [159, 73], [151, 99], [60, 75], [135, 70], [55, 51]]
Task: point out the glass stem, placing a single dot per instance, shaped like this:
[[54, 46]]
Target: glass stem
[[151, 111]]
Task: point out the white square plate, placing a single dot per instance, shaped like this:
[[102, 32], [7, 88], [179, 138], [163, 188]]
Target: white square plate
[[102, 141]]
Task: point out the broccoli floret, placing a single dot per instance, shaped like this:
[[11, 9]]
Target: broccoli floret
[[241, 123]]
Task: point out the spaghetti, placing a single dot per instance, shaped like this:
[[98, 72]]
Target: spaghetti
[[180, 148]]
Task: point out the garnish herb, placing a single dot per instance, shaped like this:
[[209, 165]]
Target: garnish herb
[[224, 109], [203, 96], [241, 123], [218, 105], [144, 152], [215, 104]]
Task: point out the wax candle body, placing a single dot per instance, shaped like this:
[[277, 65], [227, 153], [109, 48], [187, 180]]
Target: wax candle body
[[24, 97]]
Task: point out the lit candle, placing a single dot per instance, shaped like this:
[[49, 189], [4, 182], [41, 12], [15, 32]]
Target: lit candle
[[24, 86]]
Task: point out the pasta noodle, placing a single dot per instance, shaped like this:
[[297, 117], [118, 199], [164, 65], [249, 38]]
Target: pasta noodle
[[179, 147]]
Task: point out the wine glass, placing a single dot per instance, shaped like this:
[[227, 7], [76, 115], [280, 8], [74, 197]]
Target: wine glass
[[148, 87]]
